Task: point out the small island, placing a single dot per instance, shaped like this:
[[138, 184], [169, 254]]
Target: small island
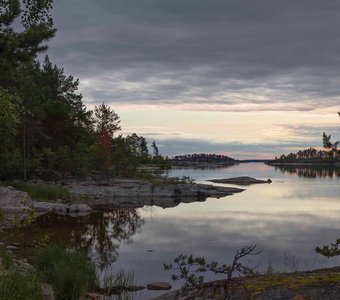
[[202, 160], [243, 180], [329, 155]]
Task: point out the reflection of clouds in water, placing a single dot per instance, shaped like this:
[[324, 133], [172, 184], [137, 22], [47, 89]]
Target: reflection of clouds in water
[[287, 219], [288, 240], [291, 231]]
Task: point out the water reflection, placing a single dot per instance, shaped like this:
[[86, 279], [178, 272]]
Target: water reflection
[[310, 171], [287, 219], [99, 234]]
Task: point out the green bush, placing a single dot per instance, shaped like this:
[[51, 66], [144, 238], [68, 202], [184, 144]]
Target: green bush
[[70, 273], [41, 191], [6, 259], [20, 285]]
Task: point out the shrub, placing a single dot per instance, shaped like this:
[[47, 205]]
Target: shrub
[[6, 259], [70, 273], [41, 191], [189, 269], [20, 285]]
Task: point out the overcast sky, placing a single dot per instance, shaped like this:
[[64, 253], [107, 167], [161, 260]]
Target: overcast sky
[[243, 78]]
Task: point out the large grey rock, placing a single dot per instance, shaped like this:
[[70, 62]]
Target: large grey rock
[[137, 193], [61, 208], [13, 201], [50, 207], [79, 208]]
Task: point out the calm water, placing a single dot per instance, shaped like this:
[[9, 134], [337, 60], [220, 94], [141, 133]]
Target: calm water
[[286, 219]]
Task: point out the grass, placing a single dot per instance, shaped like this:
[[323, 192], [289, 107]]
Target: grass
[[117, 283], [158, 179], [41, 191], [20, 285], [6, 259], [70, 273], [293, 281]]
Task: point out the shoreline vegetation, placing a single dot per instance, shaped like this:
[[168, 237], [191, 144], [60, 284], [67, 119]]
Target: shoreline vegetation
[[57, 155]]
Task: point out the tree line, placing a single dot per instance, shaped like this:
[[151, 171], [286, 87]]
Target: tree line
[[330, 153], [44, 124], [203, 157]]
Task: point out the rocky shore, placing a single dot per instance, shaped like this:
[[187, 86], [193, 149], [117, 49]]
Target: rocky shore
[[88, 195], [138, 193], [322, 284]]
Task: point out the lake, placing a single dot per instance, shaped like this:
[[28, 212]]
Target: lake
[[286, 219]]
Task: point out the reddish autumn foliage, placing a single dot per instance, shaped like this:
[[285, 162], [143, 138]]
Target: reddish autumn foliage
[[104, 141]]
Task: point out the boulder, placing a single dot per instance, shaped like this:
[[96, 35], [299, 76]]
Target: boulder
[[156, 286], [13, 201], [50, 207], [47, 291], [79, 208]]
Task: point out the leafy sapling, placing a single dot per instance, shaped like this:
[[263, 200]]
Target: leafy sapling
[[190, 269]]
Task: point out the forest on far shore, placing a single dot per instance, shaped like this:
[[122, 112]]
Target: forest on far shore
[[330, 154]]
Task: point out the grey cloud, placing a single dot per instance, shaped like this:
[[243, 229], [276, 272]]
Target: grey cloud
[[313, 132], [229, 52], [306, 136]]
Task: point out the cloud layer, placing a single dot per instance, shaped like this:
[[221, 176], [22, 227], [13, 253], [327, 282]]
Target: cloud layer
[[235, 55]]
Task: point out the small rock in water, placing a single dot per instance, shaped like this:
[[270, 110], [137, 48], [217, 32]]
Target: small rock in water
[[159, 286], [269, 181], [150, 250]]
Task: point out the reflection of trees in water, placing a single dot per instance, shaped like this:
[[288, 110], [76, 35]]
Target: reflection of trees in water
[[310, 171], [100, 235]]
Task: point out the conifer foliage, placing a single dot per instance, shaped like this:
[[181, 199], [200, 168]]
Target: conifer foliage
[[45, 128]]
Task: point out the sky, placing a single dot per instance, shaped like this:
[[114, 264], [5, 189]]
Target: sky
[[248, 79]]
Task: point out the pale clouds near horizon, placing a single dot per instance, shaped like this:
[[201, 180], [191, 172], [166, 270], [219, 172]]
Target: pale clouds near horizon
[[208, 74]]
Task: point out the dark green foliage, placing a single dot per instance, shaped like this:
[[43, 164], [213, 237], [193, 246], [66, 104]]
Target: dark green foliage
[[9, 126], [138, 147], [310, 155], [20, 48], [6, 259], [70, 273], [203, 158], [329, 251], [41, 191], [20, 285], [326, 140], [124, 160], [106, 120], [189, 266], [44, 125], [155, 149]]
